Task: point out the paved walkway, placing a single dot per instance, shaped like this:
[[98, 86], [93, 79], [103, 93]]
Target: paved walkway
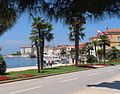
[[32, 67]]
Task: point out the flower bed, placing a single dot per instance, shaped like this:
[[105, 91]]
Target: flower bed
[[102, 64], [26, 75], [86, 65], [93, 66], [2, 78], [115, 60]]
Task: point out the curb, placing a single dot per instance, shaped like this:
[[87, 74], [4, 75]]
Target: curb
[[27, 78], [34, 77], [39, 76]]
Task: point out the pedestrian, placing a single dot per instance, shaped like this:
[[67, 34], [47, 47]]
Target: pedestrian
[[47, 62], [51, 63]]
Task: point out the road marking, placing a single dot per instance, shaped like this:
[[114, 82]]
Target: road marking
[[93, 74], [69, 80], [25, 90]]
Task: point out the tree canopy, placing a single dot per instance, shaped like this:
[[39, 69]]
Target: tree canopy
[[59, 9]]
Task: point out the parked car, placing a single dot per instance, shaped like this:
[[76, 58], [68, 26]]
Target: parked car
[[64, 61], [56, 61]]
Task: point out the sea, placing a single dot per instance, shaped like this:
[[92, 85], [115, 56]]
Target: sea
[[14, 62]]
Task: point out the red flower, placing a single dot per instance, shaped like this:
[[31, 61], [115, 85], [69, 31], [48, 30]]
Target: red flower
[[25, 75], [115, 60], [2, 78]]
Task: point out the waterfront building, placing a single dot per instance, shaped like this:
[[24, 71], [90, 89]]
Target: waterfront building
[[25, 51], [115, 37]]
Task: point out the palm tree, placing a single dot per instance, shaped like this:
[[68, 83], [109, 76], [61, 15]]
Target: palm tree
[[72, 54], [100, 54], [64, 10], [104, 41], [89, 48], [42, 31], [34, 38], [76, 34], [63, 52], [113, 54], [95, 43]]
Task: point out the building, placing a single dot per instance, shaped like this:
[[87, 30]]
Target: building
[[70, 47], [25, 50], [115, 37]]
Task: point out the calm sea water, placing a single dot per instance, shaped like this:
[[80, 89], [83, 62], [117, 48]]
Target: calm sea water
[[15, 62]]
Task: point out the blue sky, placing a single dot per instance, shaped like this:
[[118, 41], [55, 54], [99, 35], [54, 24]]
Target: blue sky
[[17, 36]]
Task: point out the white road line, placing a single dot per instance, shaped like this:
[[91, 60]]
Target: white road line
[[69, 80], [93, 74], [25, 90]]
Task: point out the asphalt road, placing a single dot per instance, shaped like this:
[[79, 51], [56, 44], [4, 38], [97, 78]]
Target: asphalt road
[[61, 84]]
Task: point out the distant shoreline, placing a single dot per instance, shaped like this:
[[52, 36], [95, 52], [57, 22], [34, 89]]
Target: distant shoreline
[[12, 56]]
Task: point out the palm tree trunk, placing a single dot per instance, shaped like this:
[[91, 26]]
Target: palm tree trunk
[[104, 53], [39, 42], [42, 49], [42, 54], [96, 53], [38, 59], [76, 47]]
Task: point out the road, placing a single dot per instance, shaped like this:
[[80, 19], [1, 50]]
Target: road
[[70, 83]]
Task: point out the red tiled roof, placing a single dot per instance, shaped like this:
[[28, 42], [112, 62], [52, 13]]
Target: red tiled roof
[[26, 47], [113, 30], [72, 46], [92, 38], [82, 45]]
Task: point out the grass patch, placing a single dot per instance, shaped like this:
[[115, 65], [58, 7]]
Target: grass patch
[[45, 72], [113, 63]]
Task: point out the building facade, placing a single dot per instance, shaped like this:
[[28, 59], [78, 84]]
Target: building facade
[[26, 50], [115, 37]]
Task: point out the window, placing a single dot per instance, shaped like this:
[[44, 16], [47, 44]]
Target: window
[[118, 38]]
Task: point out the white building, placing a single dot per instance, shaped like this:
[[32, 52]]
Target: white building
[[48, 51], [26, 50]]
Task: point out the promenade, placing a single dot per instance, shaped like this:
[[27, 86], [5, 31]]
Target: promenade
[[32, 67]]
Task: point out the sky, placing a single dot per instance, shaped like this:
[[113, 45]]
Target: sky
[[18, 35]]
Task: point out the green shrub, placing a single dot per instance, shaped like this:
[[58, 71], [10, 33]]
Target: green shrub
[[2, 65], [91, 59]]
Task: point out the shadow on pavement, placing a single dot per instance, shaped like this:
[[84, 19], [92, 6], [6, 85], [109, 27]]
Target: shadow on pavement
[[112, 85]]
